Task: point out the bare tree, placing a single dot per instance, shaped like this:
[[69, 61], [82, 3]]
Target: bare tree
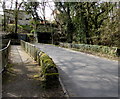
[[17, 8]]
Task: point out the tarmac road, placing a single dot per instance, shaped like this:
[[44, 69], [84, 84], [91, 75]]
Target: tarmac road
[[84, 75]]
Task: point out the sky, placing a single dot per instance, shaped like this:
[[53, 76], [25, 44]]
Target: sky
[[48, 11]]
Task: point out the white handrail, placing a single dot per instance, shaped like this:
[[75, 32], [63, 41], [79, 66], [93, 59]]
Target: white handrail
[[6, 46]]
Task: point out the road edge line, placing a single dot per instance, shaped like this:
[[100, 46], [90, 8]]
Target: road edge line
[[64, 90]]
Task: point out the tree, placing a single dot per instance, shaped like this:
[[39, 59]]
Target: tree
[[64, 9], [110, 32], [16, 11], [83, 20], [100, 14], [31, 8]]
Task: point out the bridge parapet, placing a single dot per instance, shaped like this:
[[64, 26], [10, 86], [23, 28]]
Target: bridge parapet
[[49, 69]]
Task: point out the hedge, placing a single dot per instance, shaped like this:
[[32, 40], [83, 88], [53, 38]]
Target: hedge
[[49, 69], [112, 51]]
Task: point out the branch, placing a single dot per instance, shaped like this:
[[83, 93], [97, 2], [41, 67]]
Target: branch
[[11, 4], [20, 5], [101, 21], [61, 6], [96, 17]]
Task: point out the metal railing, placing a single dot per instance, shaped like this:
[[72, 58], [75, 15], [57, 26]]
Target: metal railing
[[4, 53]]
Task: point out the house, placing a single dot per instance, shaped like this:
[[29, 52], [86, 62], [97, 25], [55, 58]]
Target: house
[[23, 17]]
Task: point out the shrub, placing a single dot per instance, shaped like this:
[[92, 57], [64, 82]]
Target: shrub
[[92, 48], [30, 37], [49, 71], [11, 28], [27, 28], [47, 64]]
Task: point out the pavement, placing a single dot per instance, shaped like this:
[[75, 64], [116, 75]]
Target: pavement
[[20, 82], [84, 75]]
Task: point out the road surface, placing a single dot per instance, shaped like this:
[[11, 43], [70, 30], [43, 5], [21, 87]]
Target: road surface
[[84, 75]]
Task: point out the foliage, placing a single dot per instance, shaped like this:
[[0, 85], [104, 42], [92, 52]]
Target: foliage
[[30, 37], [31, 8], [47, 64], [44, 28], [26, 28], [11, 28], [89, 18], [65, 19], [89, 22], [49, 70], [112, 51], [110, 32]]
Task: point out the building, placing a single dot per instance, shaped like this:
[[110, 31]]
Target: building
[[1, 21], [23, 17]]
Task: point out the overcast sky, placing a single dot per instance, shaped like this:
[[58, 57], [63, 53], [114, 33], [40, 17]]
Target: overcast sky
[[48, 11]]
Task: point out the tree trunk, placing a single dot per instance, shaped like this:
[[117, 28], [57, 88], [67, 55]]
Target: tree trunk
[[69, 26], [4, 22], [16, 22], [16, 16], [70, 31], [35, 33], [87, 31]]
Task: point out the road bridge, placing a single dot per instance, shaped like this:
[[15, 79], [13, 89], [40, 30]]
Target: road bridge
[[84, 75]]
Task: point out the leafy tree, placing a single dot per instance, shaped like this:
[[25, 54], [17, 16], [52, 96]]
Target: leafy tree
[[110, 32], [65, 12], [17, 8], [31, 8], [83, 20], [98, 14]]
